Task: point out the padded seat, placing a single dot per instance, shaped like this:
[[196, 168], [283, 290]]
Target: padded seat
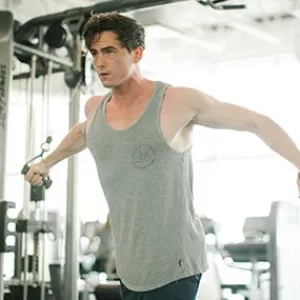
[[108, 291], [248, 251]]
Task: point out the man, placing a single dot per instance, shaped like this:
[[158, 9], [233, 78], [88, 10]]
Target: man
[[140, 135]]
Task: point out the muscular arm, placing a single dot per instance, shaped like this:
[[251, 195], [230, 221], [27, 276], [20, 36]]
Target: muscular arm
[[74, 141], [207, 111]]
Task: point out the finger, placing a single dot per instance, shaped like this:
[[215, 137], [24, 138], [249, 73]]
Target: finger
[[36, 180], [29, 175], [37, 183]]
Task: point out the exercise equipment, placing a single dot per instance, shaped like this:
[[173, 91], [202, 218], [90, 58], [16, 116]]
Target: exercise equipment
[[6, 56], [254, 251], [273, 243], [57, 35], [214, 4], [6, 31], [108, 291], [46, 182], [30, 227], [29, 280]]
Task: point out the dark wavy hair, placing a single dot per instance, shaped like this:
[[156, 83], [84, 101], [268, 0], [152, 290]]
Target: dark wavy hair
[[130, 33]]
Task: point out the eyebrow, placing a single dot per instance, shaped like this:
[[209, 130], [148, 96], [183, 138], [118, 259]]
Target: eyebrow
[[103, 49]]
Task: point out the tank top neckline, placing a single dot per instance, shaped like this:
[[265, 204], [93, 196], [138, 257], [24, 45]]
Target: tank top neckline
[[131, 126]]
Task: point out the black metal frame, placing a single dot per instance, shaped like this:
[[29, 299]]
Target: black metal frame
[[213, 4]]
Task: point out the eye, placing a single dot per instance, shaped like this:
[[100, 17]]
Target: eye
[[109, 51]]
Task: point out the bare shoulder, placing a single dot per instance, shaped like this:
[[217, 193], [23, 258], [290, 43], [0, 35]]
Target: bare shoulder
[[184, 97], [90, 108], [91, 105], [182, 93], [190, 98]]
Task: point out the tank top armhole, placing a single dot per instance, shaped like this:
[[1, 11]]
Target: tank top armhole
[[99, 108]]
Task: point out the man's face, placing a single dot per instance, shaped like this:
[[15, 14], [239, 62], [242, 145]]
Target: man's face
[[113, 63]]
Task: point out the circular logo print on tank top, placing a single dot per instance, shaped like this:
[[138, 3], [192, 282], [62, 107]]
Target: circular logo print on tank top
[[143, 156]]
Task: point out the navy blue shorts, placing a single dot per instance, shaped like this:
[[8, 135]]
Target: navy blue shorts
[[183, 289]]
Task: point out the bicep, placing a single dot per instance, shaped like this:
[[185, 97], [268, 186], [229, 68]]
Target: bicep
[[228, 116]]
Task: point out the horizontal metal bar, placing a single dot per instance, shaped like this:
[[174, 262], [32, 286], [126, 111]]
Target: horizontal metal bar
[[83, 12], [212, 4], [233, 6], [61, 61], [27, 75]]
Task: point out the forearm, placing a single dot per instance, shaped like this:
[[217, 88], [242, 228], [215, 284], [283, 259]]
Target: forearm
[[73, 143], [278, 140]]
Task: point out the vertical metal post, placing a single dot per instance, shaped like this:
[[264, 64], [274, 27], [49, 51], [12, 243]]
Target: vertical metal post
[[30, 149], [20, 236], [71, 270], [43, 206], [1, 279], [6, 56]]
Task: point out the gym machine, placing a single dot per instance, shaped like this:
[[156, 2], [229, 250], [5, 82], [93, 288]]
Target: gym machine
[[6, 59], [272, 248], [29, 281]]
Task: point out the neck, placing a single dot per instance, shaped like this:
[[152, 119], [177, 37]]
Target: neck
[[130, 90]]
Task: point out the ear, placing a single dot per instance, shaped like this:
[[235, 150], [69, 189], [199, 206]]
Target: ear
[[137, 54]]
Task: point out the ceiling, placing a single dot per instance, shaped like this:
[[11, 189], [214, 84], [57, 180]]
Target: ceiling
[[190, 32], [190, 9]]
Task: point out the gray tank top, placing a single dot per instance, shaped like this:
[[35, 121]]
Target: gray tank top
[[149, 190]]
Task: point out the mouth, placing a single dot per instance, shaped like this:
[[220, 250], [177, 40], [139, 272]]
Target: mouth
[[103, 74]]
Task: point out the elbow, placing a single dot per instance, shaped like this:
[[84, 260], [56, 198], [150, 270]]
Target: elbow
[[260, 123]]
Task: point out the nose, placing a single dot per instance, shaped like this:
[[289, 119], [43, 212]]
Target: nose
[[100, 62]]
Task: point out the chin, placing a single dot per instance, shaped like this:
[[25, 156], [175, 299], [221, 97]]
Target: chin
[[107, 84]]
